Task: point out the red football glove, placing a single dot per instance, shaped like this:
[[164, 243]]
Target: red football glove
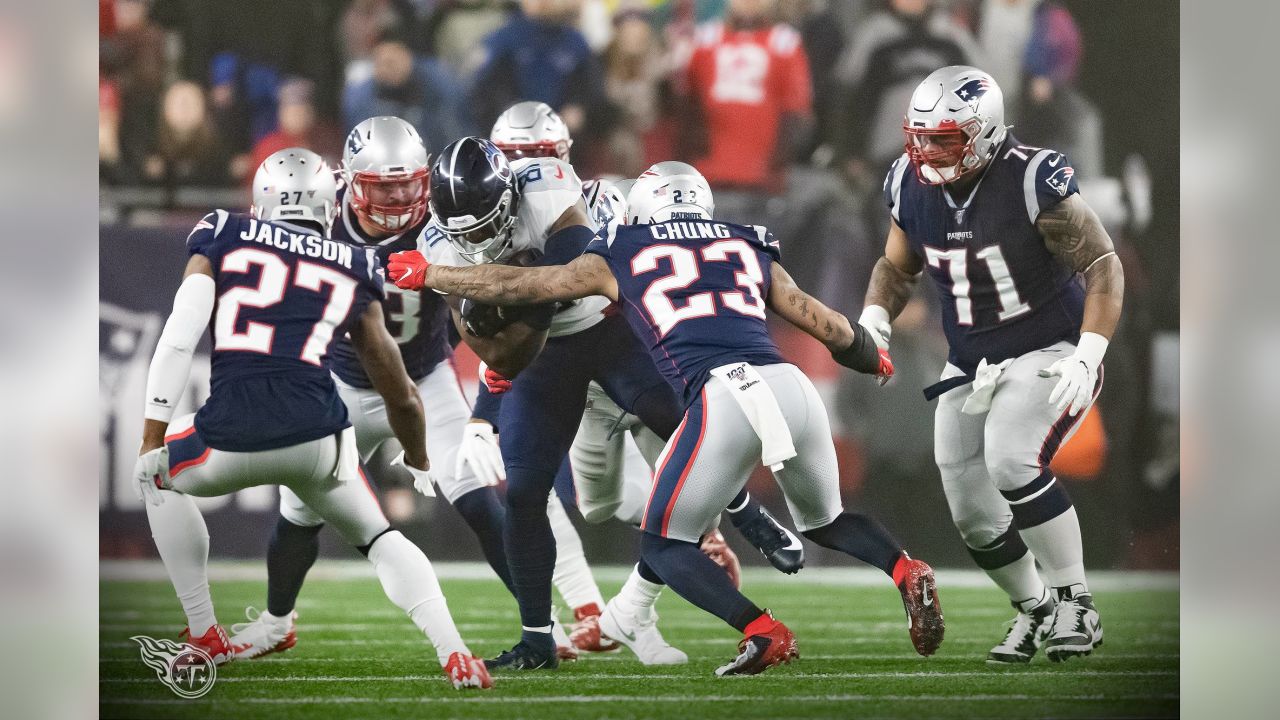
[[885, 371], [408, 270], [496, 383]]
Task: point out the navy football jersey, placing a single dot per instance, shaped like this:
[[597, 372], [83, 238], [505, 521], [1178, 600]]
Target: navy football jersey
[[285, 293], [419, 321], [1003, 293], [694, 292]]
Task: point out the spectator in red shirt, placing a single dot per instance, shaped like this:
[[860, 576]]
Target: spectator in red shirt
[[748, 79], [296, 127]]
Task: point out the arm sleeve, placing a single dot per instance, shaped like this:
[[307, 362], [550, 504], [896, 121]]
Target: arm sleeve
[[171, 364], [1049, 179], [566, 245]]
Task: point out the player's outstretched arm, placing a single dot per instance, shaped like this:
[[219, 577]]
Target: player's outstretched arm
[[894, 276], [1075, 236], [585, 276], [851, 345], [171, 364], [381, 359]]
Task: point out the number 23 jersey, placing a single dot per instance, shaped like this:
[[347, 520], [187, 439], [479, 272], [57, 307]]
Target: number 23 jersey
[[1003, 293], [284, 294]]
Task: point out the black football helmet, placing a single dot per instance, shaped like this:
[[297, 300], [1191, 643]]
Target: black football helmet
[[473, 199]]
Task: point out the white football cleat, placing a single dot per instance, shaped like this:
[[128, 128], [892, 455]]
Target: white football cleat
[[263, 634], [1077, 630], [1027, 634], [640, 633]]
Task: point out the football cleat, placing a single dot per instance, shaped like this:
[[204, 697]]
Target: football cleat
[[639, 632], [214, 642], [565, 649], [714, 547], [1076, 629], [779, 545], [924, 610], [263, 634], [766, 643], [467, 671], [523, 657], [585, 634], [1027, 633]]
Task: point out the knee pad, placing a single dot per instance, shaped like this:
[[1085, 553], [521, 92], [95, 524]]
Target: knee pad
[[598, 513], [1011, 470], [1037, 502], [979, 530], [1006, 549]]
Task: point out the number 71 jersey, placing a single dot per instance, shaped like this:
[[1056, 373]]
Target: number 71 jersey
[[284, 294], [694, 292], [1003, 293]]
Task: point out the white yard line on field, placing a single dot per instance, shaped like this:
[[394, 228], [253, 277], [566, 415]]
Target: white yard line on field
[[682, 699]]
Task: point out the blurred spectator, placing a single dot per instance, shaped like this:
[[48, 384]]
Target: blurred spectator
[[109, 165], [417, 90], [456, 29], [133, 60], [1004, 29], [748, 82], [894, 49], [297, 127], [1052, 113], [824, 41], [188, 149], [365, 22], [635, 71], [540, 55]]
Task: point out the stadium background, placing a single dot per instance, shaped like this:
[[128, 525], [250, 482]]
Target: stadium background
[[191, 91]]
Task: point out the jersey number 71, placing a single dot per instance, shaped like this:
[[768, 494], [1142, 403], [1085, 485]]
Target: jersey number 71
[[685, 271]]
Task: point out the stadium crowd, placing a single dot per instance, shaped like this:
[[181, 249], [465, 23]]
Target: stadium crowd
[[792, 109]]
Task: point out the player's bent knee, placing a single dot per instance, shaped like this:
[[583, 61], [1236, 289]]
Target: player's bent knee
[[981, 529], [1006, 549], [1011, 471], [1038, 502], [598, 513]]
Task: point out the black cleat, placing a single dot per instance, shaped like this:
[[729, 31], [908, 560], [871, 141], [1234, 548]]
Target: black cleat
[[523, 657], [779, 545]]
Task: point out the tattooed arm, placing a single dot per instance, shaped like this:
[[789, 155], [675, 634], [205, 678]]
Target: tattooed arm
[[1075, 236], [894, 276], [587, 275], [805, 312]]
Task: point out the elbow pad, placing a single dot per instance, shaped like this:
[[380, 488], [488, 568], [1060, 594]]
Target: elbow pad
[[862, 354], [167, 378]]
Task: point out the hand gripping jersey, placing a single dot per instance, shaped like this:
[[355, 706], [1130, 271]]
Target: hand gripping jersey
[[693, 291], [1003, 293], [548, 187], [285, 293], [419, 321]]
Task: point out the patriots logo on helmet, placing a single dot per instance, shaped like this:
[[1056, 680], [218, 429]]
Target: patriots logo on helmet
[[1060, 180], [972, 91], [355, 143]]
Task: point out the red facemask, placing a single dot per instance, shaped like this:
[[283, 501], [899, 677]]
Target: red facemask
[[392, 217], [545, 148], [943, 149]]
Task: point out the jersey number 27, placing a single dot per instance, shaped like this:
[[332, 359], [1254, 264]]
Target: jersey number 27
[[685, 272]]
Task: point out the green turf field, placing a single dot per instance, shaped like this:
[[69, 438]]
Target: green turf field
[[359, 657]]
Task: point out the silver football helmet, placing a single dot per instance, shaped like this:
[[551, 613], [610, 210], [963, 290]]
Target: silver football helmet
[[385, 166], [669, 190], [531, 129], [295, 184], [954, 124]]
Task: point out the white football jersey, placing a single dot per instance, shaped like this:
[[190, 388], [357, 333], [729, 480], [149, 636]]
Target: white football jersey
[[548, 187]]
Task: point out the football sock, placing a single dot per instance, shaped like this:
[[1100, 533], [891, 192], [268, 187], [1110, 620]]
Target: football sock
[[1048, 524], [1012, 567], [696, 578], [290, 554], [183, 542], [637, 594], [739, 503], [572, 576], [531, 546], [483, 512], [862, 537], [410, 582]]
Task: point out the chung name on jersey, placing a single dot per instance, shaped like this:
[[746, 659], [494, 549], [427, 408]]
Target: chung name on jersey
[[300, 243], [689, 231]]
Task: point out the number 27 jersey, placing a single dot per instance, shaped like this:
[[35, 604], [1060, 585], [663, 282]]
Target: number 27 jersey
[[284, 293], [694, 292]]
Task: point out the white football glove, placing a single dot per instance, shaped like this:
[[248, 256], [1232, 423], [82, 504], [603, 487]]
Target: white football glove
[[1078, 374], [875, 320], [151, 473], [422, 481], [480, 450]]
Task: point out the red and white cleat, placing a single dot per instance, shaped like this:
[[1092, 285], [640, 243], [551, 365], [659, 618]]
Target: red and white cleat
[[263, 634], [585, 633], [214, 642], [920, 599], [565, 649], [467, 671], [714, 546], [767, 642]]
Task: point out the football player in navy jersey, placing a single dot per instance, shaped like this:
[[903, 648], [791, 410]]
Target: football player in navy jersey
[[381, 208], [695, 292], [1002, 231], [276, 293]]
